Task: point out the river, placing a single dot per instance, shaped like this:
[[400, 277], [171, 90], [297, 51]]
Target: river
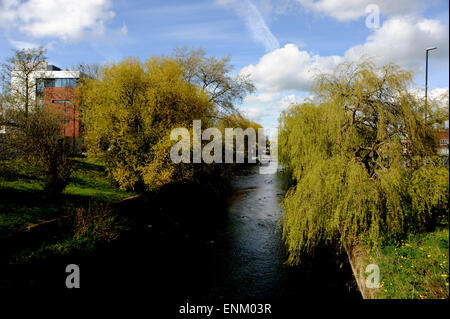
[[189, 246], [248, 261], [210, 251]]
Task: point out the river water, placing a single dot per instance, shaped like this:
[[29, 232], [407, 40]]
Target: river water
[[217, 252], [192, 247], [248, 259]]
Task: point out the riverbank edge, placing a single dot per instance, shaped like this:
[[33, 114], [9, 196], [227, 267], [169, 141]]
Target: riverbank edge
[[127, 207], [38, 232], [356, 256]]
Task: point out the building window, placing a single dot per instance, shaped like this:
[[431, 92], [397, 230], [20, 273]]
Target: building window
[[54, 83], [60, 101], [65, 83], [444, 151], [444, 142]]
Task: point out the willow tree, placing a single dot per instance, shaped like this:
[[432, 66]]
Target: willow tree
[[129, 112], [363, 160]]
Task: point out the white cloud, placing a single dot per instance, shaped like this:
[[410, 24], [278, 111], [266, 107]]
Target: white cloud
[[287, 101], [19, 45], [438, 94], [265, 108], [289, 68], [262, 97], [354, 9], [63, 19], [6, 14], [401, 40], [254, 22], [254, 113], [123, 31], [23, 44]]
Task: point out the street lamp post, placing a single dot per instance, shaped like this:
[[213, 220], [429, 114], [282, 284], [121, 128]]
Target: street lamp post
[[426, 79]]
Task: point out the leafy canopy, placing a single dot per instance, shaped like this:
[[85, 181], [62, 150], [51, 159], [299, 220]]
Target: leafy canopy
[[129, 112], [363, 160]]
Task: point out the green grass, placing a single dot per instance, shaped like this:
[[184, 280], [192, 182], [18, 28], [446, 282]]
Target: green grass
[[98, 224], [58, 248], [89, 179], [22, 203], [416, 268]]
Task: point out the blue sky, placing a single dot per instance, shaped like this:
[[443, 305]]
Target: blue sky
[[282, 44]]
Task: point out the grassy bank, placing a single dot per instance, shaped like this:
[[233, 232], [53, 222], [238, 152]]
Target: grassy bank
[[415, 268], [85, 199], [23, 204]]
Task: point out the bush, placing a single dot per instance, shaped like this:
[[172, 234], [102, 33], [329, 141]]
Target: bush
[[98, 222], [37, 139]]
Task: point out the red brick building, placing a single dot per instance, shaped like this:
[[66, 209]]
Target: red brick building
[[62, 101], [55, 90], [443, 145]]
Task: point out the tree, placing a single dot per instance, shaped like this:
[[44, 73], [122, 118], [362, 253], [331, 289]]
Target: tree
[[33, 135], [212, 75], [363, 160], [38, 143], [129, 112], [89, 70], [18, 76], [237, 120]]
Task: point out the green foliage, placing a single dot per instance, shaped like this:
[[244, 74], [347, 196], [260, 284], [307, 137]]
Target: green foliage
[[363, 160], [98, 221], [129, 115], [37, 140], [414, 268], [130, 110], [21, 201]]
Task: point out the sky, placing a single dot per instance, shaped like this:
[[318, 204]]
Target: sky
[[281, 44]]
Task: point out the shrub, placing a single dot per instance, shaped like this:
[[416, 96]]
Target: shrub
[[37, 139]]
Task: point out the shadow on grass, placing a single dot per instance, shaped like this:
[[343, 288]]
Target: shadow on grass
[[83, 165], [19, 209]]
